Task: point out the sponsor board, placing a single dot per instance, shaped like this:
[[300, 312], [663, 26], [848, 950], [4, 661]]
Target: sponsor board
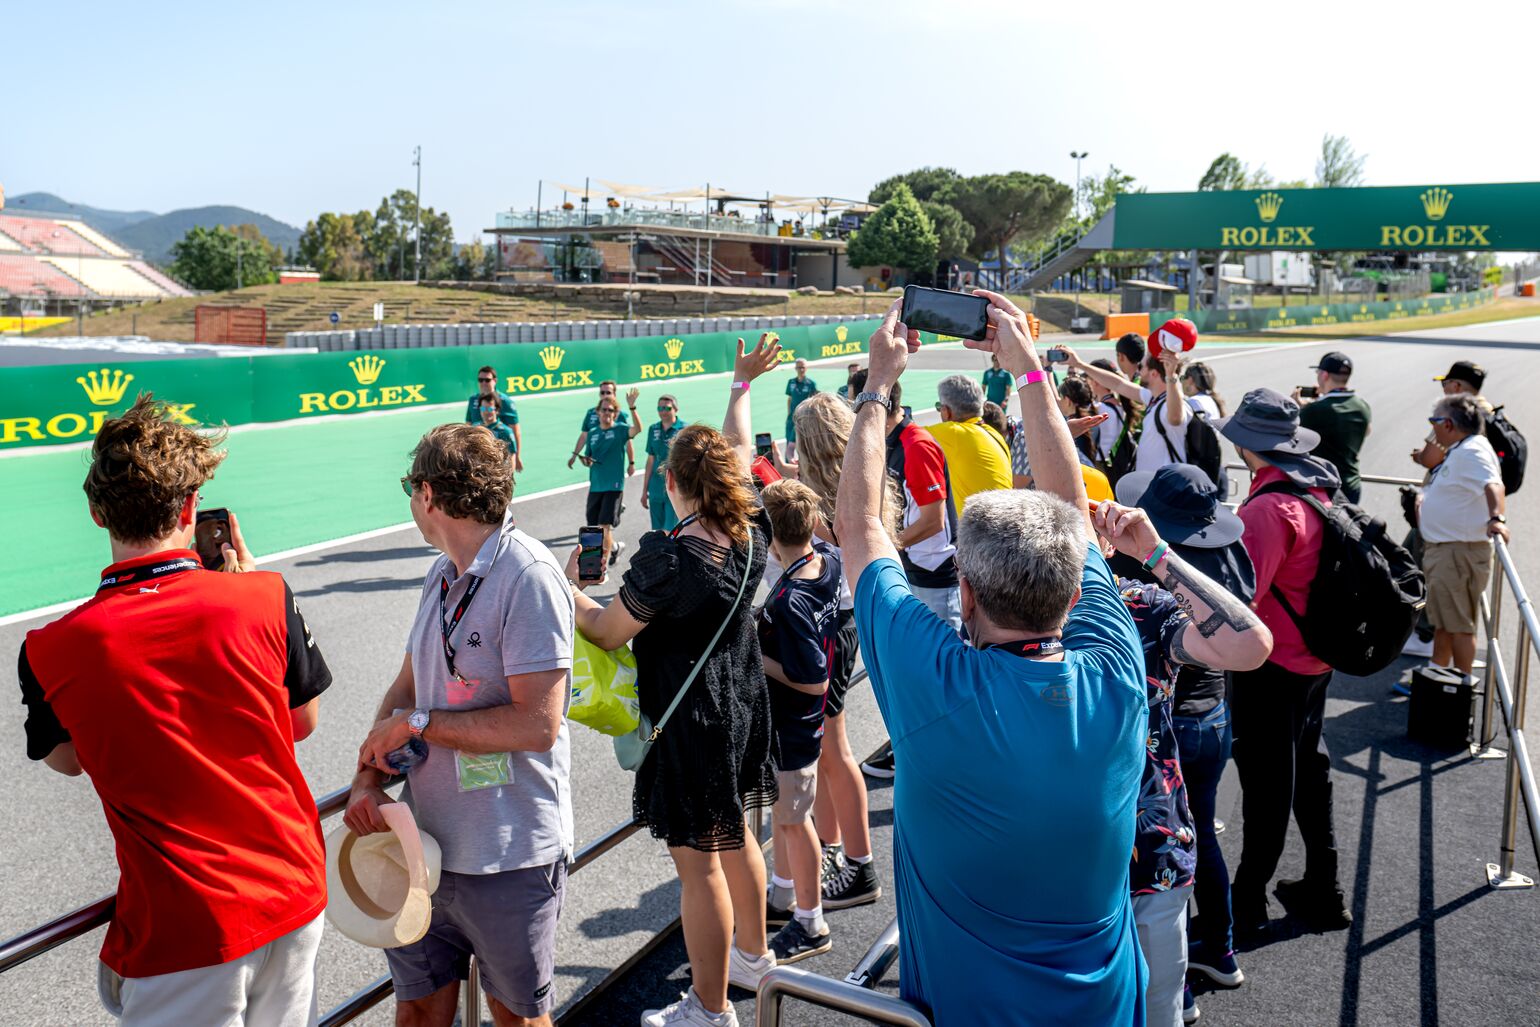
[[1267, 318]]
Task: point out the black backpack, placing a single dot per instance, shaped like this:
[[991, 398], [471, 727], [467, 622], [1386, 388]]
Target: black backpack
[[1512, 450], [1367, 592], [1202, 440], [1125, 452]]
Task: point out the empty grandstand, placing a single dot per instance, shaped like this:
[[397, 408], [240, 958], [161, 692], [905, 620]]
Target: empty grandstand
[[61, 265]]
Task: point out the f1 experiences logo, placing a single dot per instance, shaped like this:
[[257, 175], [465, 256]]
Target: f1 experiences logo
[[103, 390], [366, 371]]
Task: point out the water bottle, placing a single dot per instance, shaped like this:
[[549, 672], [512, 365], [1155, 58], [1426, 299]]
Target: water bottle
[[408, 756]]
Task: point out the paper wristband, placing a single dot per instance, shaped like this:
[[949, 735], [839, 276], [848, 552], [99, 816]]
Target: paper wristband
[[1030, 378]]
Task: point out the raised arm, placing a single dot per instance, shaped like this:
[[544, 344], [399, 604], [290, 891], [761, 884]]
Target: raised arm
[[738, 425], [1176, 401], [1109, 380], [632, 395], [1055, 467], [863, 476], [1224, 633]]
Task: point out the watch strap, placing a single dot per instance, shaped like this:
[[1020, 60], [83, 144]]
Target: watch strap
[[864, 398]]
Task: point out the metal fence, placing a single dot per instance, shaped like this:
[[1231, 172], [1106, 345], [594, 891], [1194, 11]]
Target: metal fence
[[416, 336]]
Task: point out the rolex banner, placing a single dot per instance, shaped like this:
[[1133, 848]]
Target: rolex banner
[[1255, 319], [65, 403], [1416, 218]]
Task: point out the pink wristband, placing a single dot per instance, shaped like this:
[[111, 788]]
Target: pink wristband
[[741, 385], [1030, 378]]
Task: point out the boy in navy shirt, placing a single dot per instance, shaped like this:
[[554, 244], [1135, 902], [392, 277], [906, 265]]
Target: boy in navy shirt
[[796, 638]]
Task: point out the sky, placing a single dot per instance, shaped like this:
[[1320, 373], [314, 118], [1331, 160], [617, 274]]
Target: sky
[[296, 108]]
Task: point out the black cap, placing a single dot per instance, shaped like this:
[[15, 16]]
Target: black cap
[[1334, 363], [1471, 374]]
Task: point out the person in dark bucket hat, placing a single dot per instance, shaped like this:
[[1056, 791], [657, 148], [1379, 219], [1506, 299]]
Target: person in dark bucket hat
[[1184, 506], [1278, 710]]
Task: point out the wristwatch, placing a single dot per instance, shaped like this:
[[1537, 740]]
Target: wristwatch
[[417, 722], [864, 398], [1499, 518]]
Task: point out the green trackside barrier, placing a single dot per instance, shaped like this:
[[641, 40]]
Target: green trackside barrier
[[1267, 318], [64, 403]]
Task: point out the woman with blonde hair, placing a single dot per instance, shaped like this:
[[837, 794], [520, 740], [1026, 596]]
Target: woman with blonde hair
[[840, 805], [715, 757]]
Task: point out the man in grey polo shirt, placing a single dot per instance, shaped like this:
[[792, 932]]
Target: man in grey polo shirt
[[484, 691]]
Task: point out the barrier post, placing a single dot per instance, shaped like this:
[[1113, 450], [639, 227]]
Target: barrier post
[[1505, 876], [1482, 748]]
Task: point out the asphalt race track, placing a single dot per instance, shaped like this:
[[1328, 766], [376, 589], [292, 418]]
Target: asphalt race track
[[1432, 943]]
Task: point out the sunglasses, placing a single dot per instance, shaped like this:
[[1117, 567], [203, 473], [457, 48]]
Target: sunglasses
[[609, 410], [1439, 420], [406, 484], [486, 379], [665, 408]]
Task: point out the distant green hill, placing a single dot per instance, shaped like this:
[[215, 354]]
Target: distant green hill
[[150, 233]]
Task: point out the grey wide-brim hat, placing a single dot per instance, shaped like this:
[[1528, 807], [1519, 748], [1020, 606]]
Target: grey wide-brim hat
[[1183, 504], [1267, 422]]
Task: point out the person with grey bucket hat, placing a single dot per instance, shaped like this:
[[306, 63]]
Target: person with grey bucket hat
[[1279, 708], [1184, 506]]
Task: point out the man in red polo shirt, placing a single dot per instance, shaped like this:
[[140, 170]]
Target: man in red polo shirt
[[181, 692]]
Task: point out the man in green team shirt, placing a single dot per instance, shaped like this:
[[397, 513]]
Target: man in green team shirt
[[591, 421], [1340, 416], [604, 454], [797, 390], [659, 436], [997, 382]]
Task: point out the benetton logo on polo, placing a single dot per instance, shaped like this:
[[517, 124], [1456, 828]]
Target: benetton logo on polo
[[103, 389], [366, 369]]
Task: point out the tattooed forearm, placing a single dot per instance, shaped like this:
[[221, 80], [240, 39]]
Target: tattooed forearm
[[1207, 602]]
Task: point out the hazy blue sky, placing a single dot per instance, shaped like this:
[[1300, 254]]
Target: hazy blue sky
[[293, 108]]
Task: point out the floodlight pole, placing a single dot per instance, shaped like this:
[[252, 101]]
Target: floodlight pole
[[417, 261]]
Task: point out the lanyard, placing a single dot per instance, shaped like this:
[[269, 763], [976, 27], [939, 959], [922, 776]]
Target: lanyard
[[447, 627], [159, 570], [683, 525], [1029, 647], [801, 562]]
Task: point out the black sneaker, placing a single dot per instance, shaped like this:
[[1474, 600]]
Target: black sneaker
[[1250, 916], [615, 553], [854, 885], [832, 861], [792, 943], [881, 764], [1323, 909], [775, 915], [1222, 969]]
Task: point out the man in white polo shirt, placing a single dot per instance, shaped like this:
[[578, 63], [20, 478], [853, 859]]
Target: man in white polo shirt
[[484, 692]]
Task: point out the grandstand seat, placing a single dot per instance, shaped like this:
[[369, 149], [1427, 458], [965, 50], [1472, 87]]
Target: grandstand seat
[[115, 279], [95, 238], [46, 236], [168, 285], [22, 274]]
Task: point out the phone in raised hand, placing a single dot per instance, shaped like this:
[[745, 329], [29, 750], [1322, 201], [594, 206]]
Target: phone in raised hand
[[210, 533], [590, 554], [958, 314]]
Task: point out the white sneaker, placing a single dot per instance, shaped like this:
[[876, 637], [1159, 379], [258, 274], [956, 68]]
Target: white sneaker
[[744, 972], [1417, 647], [688, 1010]]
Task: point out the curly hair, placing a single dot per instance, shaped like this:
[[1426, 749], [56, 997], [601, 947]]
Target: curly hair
[[823, 426], [143, 468], [470, 471], [707, 469]]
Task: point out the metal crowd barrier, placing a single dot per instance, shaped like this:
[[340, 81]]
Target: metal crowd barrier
[[852, 995]]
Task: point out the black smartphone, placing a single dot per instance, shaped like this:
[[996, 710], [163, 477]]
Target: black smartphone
[[945, 313], [590, 553], [762, 443], [1309, 391], [1056, 355], [210, 533], [909, 413]]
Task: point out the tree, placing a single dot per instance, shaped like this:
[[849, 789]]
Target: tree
[[1003, 208], [953, 232], [1226, 172], [334, 246], [1338, 165], [220, 258], [925, 183], [473, 263], [899, 234]]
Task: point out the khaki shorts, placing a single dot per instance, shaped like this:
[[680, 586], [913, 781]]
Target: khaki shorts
[[1457, 574], [798, 790]]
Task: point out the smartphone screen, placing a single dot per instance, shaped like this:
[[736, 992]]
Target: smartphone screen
[[1056, 355], [945, 313], [590, 553], [210, 533], [909, 413], [1308, 391], [762, 444]]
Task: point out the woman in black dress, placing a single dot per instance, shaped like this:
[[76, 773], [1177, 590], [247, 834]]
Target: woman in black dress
[[715, 759]]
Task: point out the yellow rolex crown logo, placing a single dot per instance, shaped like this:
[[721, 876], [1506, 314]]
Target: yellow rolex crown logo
[[1363, 308], [551, 357], [673, 348], [1325, 311], [841, 332], [104, 387], [367, 368], [1435, 202], [1268, 204]]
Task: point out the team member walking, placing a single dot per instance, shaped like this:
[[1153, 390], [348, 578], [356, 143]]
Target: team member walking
[[800, 388], [499, 430], [591, 421], [181, 692], [1279, 708], [485, 686], [997, 383], [507, 412], [654, 488], [605, 454], [1340, 416], [713, 761]]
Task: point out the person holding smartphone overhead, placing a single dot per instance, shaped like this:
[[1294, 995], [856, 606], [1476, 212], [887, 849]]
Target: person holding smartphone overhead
[[715, 758], [659, 436], [797, 390]]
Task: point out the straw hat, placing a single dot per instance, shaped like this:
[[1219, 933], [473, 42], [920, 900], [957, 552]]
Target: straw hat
[[380, 886]]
